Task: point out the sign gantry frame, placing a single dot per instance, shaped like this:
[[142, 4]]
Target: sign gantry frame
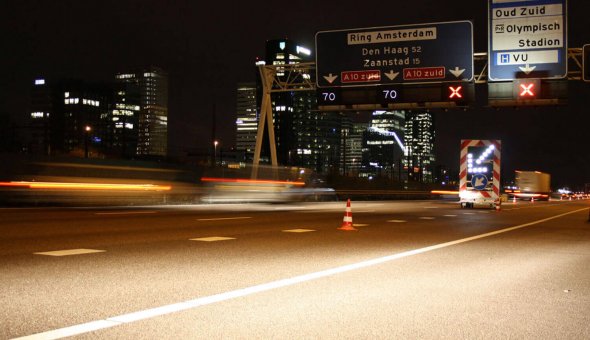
[[300, 77]]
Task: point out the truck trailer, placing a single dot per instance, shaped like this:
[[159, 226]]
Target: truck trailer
[[532, 185]]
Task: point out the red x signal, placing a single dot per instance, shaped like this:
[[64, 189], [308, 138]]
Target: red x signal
[[527, 90], [455, 92]]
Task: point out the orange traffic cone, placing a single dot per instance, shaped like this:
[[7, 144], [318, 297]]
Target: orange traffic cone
[[514, 199], [347, 220], [532, 199]]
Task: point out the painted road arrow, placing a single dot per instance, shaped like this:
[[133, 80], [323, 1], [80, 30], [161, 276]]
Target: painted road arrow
[[526, 69], [330, 78], [457, 72], [391, 75]]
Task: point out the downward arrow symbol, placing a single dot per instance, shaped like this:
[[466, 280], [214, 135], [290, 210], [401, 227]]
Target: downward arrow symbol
[[391, 75], [526, 69], [457, 72], [330, 78]]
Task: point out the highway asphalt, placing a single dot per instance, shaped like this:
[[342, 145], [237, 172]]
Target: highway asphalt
[[413, 269]]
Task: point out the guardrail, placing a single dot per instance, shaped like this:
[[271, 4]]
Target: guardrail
[[385, 194]]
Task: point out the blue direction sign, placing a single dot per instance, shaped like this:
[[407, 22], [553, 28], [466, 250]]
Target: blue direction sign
[[527, 39], [479, 182], [424, 53]]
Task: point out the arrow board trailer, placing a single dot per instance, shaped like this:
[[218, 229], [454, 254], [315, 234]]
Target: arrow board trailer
[[479, 176]]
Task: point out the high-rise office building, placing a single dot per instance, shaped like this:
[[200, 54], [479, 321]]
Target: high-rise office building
[[39, 139], [352, 150], [85, 113], [384, 146], [419, 139], [125, 117], [246, 118], [70, 117], [152, 121]]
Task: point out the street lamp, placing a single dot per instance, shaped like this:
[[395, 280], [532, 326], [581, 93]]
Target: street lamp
[[215, 143], [87, 130]]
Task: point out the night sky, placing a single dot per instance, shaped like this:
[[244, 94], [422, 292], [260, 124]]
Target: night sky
[[208, 47]]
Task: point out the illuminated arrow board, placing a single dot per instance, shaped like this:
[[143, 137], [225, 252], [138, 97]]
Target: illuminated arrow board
[[527, 39], [410, 54]]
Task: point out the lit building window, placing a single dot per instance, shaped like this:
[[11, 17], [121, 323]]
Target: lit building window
[[39, 81], [125, 76]]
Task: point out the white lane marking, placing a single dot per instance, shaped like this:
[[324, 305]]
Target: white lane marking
[[359, 225], [207, 300], [364, 211], [71, 331], [125, 212], [468, 213], [298, 230], [223, 218], [533, 206], [212, 239], [397, 221], [426, 218], [68, 252], [450, 215], [430, 207]]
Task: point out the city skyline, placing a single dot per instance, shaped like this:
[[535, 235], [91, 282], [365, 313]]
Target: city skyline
[[124, 118], [208, 52]]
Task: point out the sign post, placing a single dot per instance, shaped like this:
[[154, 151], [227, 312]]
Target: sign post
[[424, 53], [527, 39], [586, 62]]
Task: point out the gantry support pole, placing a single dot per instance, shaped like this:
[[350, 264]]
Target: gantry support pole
[[267, 74]]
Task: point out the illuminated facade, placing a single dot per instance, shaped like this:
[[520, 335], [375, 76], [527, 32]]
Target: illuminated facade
[[152, 121], [125, 116], [246, 118], [126, 119], [419, 139], [70, 117], [352, 147], [383, 145], [39, 120], [85, 114]]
